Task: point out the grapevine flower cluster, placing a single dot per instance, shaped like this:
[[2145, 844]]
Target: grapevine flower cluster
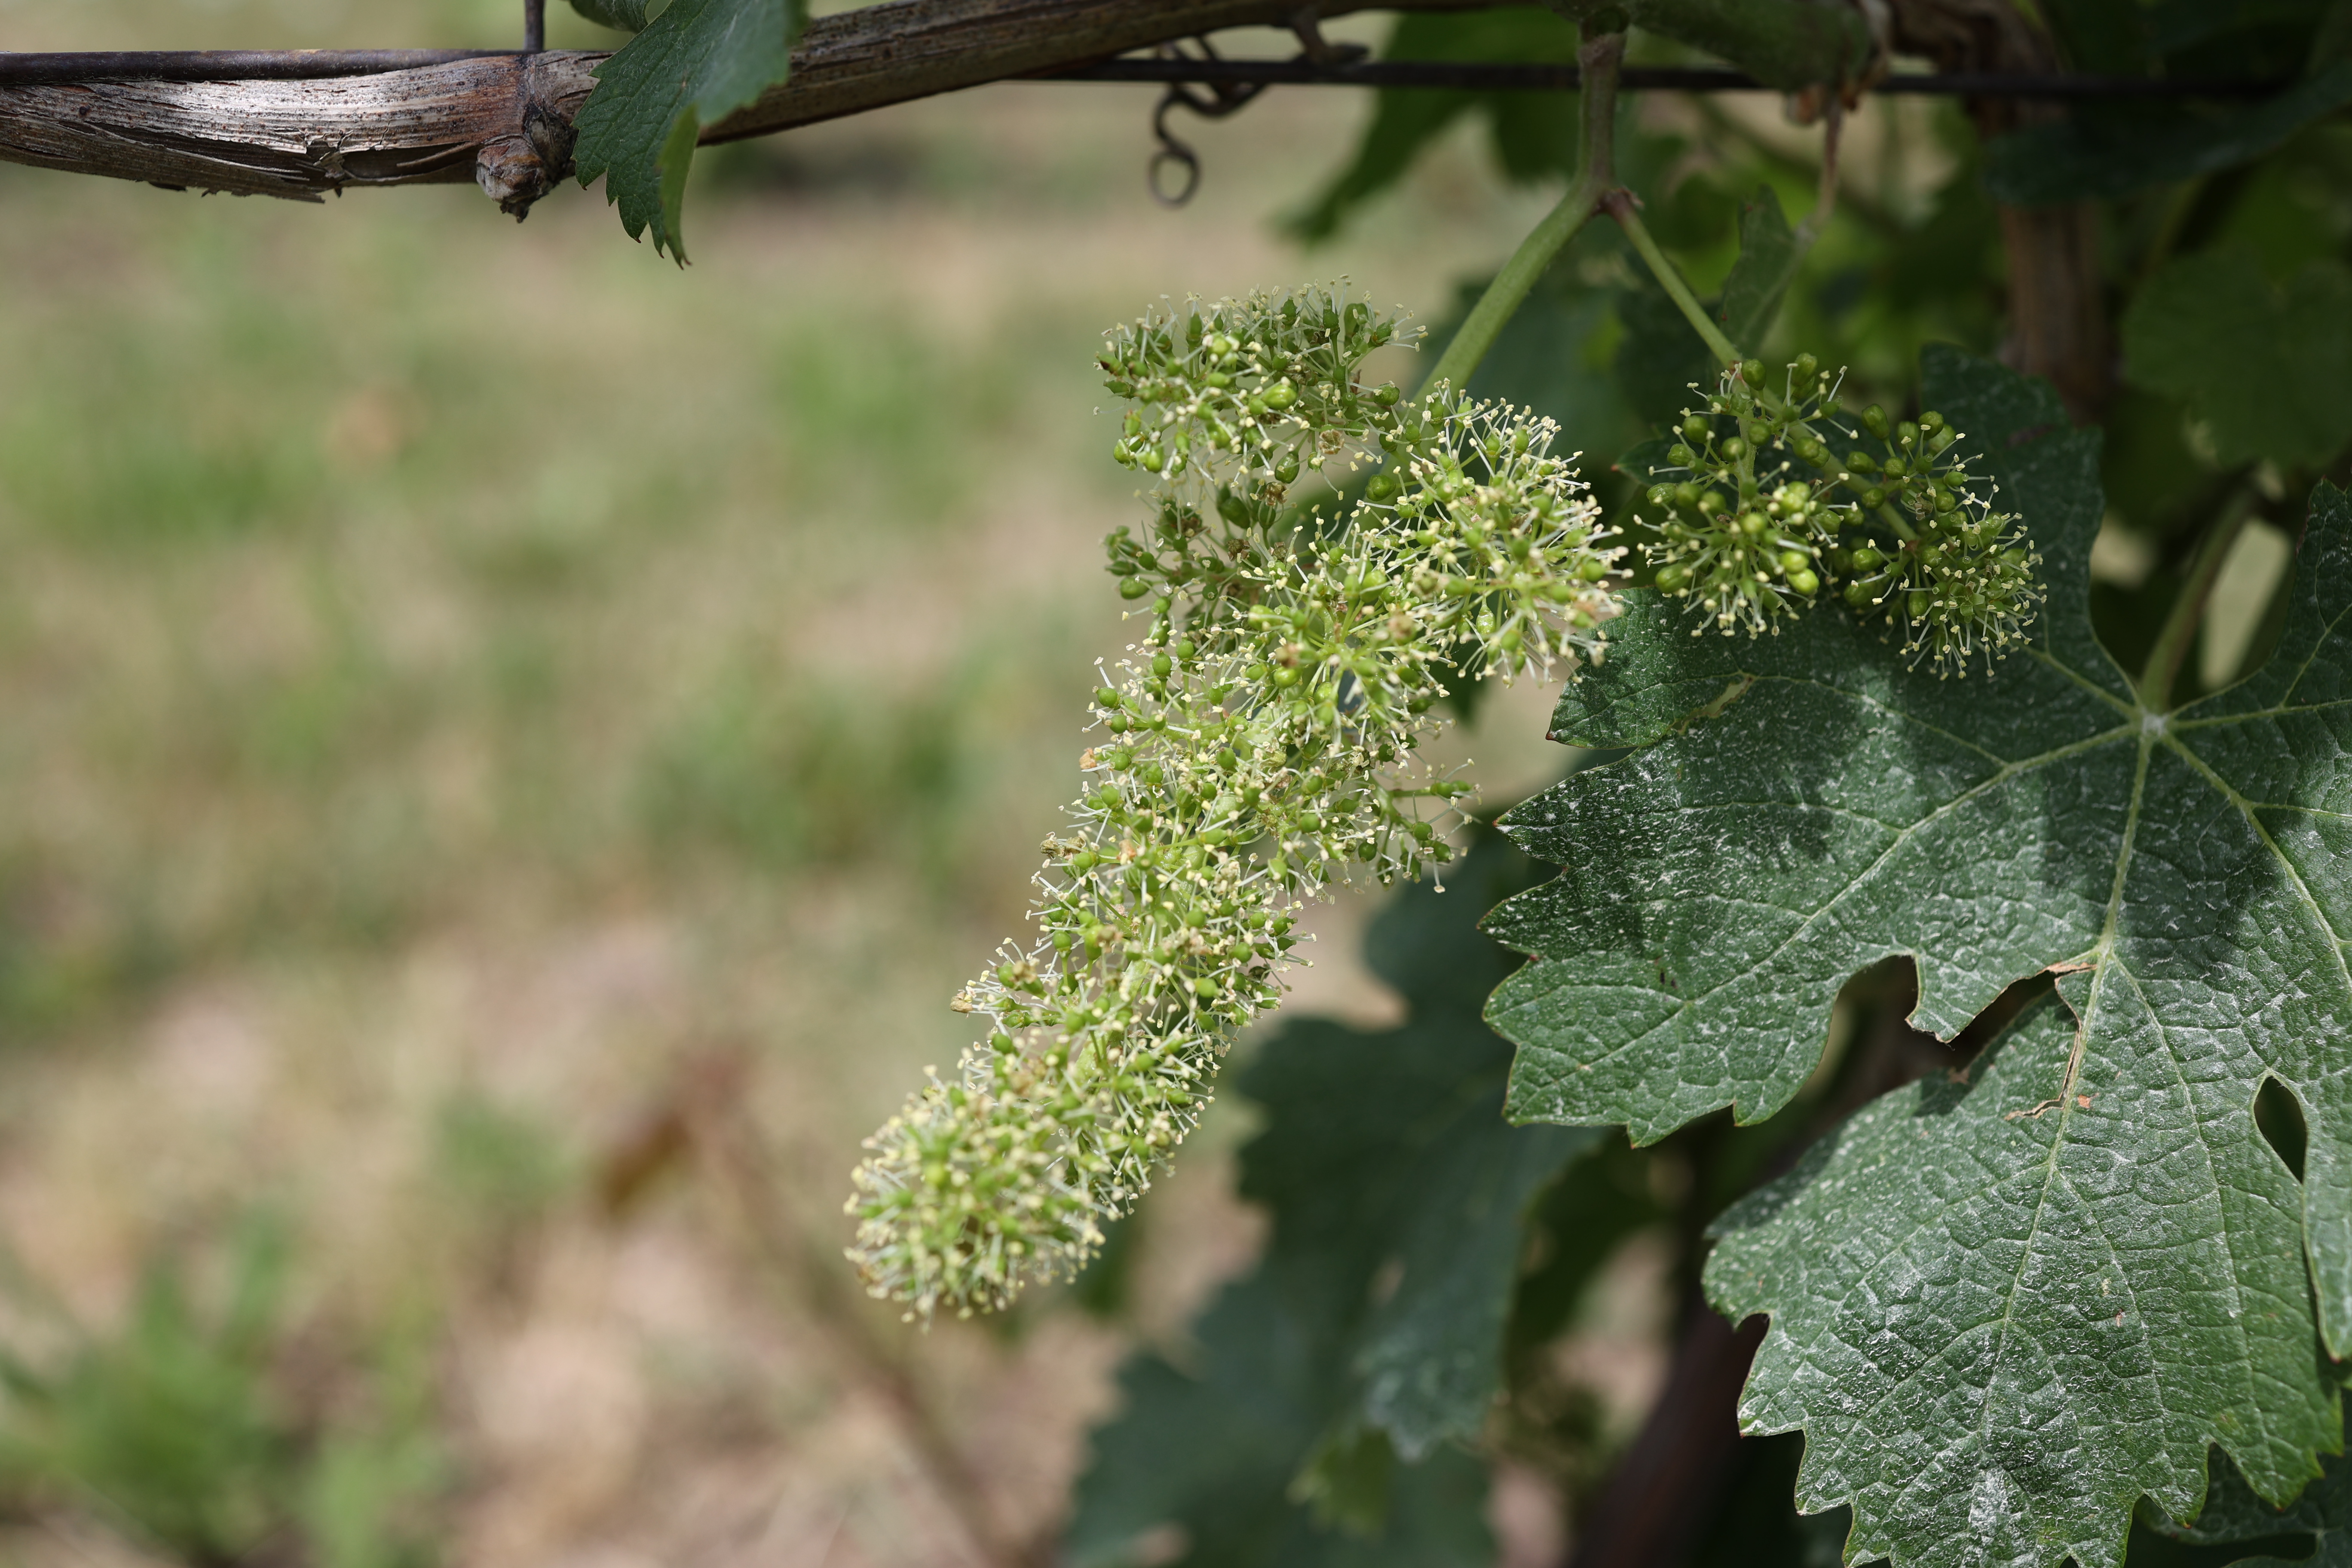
[[1257, 744], [1751, 535]]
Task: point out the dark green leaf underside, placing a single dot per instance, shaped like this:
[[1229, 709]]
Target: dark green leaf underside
[[2091, 157], [696, 63], [1805, 805], [2268, 369], [2233, 1515], [627, 15]]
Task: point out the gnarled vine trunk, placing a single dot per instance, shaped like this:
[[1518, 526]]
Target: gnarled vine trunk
[[2057, 307]]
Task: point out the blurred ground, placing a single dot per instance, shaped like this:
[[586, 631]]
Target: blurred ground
[[510, 746]]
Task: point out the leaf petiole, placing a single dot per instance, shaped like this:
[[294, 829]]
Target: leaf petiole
[[2187, 612], [1619, 204], [1596, 174]]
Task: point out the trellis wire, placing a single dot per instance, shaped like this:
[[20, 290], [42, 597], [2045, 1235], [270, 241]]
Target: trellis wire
[[291, 64]]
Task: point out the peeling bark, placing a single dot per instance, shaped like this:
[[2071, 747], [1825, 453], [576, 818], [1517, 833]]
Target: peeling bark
[[505, 122]]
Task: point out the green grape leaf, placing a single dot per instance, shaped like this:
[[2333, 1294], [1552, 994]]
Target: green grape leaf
[[1803, 806], [1661, 357], [2235, 1516], [2024, 1327], [1534, 132], [1216, 1454], [1786, 44], [2094, 156], [623, 16], [2112, 37], [696, 63], [1374, 1325], [2269, 369], [1769, 254]]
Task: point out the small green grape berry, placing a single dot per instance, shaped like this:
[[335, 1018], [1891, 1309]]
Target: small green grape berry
[[1381, 489], [1154, 458], [1795, 561], [1592, 569], [1287, 469], [1386, 395], [1107, 696], [1906, 434], [1133, 588], [1873, 418], [1753, 523], [1687, 494], [1874, 498], [1681, 456], [1857, 594], [1895, 467], [1806, 368], [1861, 462], [1751, 370], [1867, 559], [1917, 603], [1696, 427], [1804, 582], [1931, 422], [1734, 449], [1671, 576]]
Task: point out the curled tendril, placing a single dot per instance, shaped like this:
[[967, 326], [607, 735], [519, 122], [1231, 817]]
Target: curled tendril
[[1896, 523], [1257, 744]]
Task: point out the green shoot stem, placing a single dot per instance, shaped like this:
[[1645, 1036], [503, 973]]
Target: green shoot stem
[[1619, 204], [2188, 611], [1596, 174]]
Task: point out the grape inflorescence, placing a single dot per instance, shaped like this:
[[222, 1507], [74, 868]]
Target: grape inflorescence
[[1257, 744], [1260, 742], [1781, 504]]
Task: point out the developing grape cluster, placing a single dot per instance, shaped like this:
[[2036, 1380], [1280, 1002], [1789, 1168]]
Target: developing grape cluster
[[1258, 743], [1772, 514]]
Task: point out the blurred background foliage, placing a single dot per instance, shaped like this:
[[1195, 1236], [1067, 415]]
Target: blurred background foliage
[[509, 748]]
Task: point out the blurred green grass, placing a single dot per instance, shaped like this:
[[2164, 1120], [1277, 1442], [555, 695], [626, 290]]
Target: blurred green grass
[[451, 675]]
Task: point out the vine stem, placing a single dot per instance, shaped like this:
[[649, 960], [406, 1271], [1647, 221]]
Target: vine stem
[[1596, 175], [2188, 611], [1620, 205]]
